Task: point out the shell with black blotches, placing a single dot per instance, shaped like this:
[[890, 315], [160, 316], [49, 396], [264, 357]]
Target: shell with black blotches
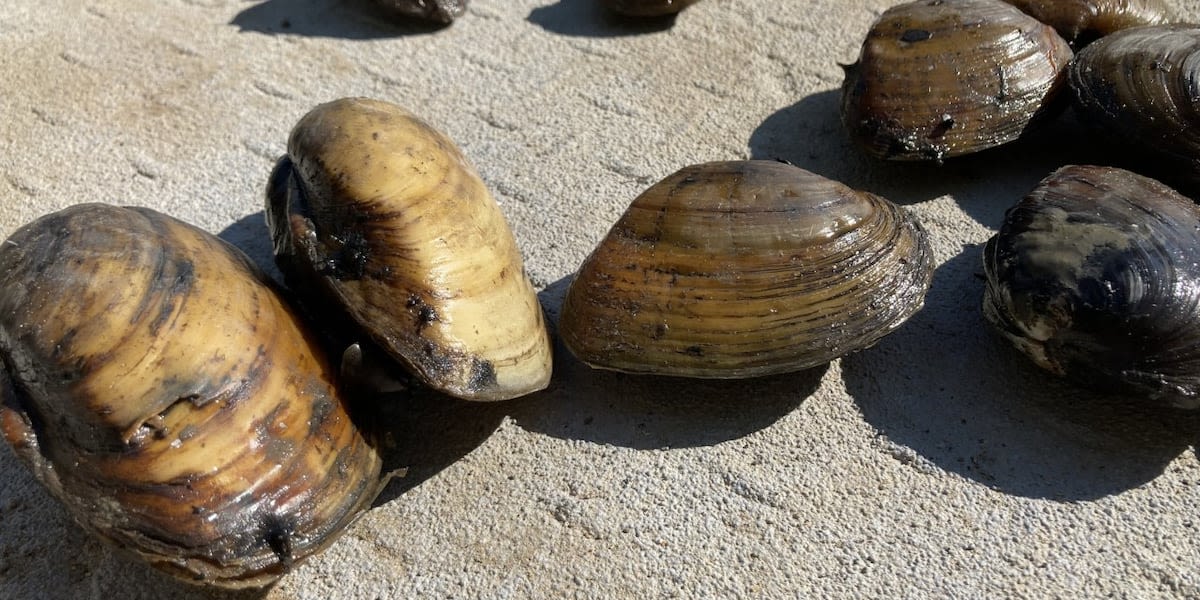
[[943, 78], [1095, 276], [159, 386], [745, 268]]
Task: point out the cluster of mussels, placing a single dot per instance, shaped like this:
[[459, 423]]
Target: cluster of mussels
[[227, 450], [1094, 274]]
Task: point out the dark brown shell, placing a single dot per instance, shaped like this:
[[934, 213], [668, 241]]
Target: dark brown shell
[[647, 8], [159, 387], [942, 78], [1141, 85], [438, 11], [1095, 276], [1082, 21]]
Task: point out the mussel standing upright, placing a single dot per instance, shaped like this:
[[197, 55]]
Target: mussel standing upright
[[746, 268], [1095, 276], [376, 212], [158, 386], [943, 78]]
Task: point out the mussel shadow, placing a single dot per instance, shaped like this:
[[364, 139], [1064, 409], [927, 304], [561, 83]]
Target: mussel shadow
[[44, 554], [587, 18], [424, 432], [250, 235], [810, 135], [942, 391], [344, 19], [648, 412]]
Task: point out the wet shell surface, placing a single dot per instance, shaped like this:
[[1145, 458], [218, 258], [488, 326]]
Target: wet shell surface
[[1095, 276], [647, 8], [1141, 85], [377, 212], [1082, 21], [741, 269], [942, 78], [163, 392], [438, 11]]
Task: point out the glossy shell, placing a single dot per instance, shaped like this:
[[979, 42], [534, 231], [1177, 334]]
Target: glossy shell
[[1141, 86], [165, 394], [1082, 21], [376, 211], [438, 11], [740, 269], [1095, 276], [647, 8], [942, 78]]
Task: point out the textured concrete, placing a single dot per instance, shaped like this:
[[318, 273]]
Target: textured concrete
[[936, 463]]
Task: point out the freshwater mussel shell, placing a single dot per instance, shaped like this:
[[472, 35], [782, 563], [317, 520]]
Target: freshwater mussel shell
[[1095, 276], [159, 387], [1082, 21], [647, 8], [376, 212], [942, 78], [1140, 86], [745, 268], [437, 11]]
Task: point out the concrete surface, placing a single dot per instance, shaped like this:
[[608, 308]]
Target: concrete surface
[[935, 464]]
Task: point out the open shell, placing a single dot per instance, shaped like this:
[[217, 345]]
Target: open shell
[[943, 78], [377, 212], [1095, 276], [740, 269], [162, 391]]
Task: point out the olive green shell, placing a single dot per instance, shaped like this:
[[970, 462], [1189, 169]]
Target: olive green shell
[[1095, 276], [741, 269], [942, 78], [1081, 21], [159, 387], [376, 212]]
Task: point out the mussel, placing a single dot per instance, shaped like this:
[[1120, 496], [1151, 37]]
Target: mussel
[[1141, 86], [159, 387], [1095, 276], [647, 8], [438, 11], [745, 268], [376, 212], [943, 78], [1082, 21]]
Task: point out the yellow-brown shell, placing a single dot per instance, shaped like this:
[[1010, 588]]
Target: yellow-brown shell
[[161, 389], [377, 211], [740, 269], [943, 78]]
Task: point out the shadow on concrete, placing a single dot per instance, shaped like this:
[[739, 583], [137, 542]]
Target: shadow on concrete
[[810, 135], [344, 19], [251, 236], [943, 391], [650, 412], [587, 18]]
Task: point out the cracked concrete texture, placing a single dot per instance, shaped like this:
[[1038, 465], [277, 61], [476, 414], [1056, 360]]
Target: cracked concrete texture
[[935, 464]]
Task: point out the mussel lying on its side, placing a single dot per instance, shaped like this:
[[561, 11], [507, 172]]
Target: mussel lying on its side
[[438, 11], [647, 8], [1082, 21], [159, 387], [1095, 276], [376, 212], [938, 79], [741, 269]]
